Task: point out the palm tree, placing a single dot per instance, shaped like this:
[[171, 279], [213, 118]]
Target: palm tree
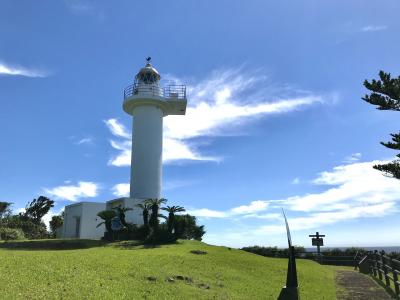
[[121, 213], [107, 216], [171, 215], [145, 208], [155, 206]]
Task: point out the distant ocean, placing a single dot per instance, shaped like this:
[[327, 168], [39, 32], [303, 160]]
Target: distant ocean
[[386, 249]]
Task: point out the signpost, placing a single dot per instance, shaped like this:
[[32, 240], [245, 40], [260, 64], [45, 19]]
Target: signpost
[[291, 290], [317, 240]]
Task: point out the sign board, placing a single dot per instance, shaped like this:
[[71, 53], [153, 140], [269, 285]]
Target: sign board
[[317, 241], [116, 224]]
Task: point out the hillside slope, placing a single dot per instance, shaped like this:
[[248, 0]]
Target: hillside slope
[[123, 271]]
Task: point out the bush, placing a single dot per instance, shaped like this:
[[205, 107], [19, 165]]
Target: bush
[[185, 227], [273, 251], [30, 229], [160, 236], [11, 234], [132, 232]]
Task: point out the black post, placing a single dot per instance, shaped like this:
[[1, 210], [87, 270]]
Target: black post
[[291, 290]]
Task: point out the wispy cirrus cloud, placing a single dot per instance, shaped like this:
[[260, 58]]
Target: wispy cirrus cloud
[[354, 157], [372, 28], [84, 189], [9, 70], [85, 8], [85, 141], [218, 105]]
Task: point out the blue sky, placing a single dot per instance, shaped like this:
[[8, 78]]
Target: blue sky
[[274, 117]]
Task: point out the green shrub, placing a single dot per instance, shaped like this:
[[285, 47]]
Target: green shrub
[[185, 227], [273, 251], [132, 232], [160, 236], [11, 234], [30, 229]]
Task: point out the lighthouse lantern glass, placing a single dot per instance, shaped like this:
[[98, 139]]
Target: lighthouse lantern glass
[[147, 78]]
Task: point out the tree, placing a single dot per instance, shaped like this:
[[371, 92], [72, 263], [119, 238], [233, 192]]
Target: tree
[[145, 212], [107, 216], [55, 223], [37, 209], [121, 214], [155, 206], [185, 227], [385, 94], [5, 209], [31, 229], [172, 210]]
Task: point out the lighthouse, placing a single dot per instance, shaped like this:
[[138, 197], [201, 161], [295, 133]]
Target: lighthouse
[[148, 103]]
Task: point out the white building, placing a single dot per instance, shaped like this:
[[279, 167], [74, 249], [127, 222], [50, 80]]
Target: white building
[[148, 103]]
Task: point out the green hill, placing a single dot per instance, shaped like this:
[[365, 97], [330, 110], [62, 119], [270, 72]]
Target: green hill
[[91, 270]]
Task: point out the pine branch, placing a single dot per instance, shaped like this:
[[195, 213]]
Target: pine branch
[[385, 92], [391, 169], [396, 142]]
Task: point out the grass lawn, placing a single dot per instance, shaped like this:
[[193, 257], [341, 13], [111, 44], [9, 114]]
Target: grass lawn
[[93, 270]]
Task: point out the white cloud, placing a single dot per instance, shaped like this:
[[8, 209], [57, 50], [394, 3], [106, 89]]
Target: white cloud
[[316, 220], [175, 184], [84, 189], [296, 180], [117, 128], [87, 141], [21, 71], [350, 192], [354, 157], [217, 106], [371, 28], [253, 207], [85, 8], [78, 7], [268, 216], [357, 182], [121, 189], [207, 213]]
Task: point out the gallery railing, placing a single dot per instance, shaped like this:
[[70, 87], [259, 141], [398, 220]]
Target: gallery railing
[[170, 92]]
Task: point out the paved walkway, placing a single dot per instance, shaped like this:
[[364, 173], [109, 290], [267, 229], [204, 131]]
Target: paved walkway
[[355, 286]]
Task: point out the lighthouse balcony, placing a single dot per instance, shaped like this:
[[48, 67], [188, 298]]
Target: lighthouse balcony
[[171, 98], [170, 92]]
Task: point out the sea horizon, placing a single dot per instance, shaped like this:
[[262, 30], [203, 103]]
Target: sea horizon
[[387, 249]]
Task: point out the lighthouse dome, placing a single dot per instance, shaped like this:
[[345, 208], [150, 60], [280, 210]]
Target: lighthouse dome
[[148, 75]]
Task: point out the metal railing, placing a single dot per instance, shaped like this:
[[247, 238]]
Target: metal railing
[[173, 92]]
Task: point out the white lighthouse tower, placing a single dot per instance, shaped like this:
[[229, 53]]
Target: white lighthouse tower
[[148, 103]]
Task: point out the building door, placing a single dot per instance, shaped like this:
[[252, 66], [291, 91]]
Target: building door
[[78, 227]]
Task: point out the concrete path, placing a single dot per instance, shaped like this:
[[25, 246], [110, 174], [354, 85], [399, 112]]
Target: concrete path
[[356, 286]]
